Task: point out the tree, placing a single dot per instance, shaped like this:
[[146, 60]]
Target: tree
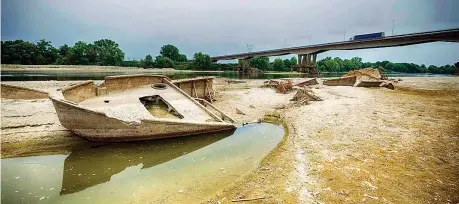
[[293, 60], [399, 67], [182, 58], [19, 52], [170, 52], [328, 64], [384, 63], [92, 53], [260, 62], [201, 61], [446, 69], [389, 66], [331, 66], [367, 64], [149, 61], [78, 54], [108, 52], [63, 53], [348, 65], [289, 62], [141, 63], [278, 65], [163, 62], [433, 69], [423, 68], [130, 63], [46, 53], [356, 62], [340, 63], [63, 50]]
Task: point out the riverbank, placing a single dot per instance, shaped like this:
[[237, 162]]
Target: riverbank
[[363, 144], [358, 144]]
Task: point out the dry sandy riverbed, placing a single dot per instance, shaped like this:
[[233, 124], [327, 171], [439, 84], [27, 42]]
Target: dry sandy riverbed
[[358, 144]]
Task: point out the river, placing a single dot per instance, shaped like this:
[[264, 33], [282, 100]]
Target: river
[[176, 170], [79, 75]]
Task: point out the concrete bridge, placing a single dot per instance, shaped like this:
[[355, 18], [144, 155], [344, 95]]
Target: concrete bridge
[[307, 55]]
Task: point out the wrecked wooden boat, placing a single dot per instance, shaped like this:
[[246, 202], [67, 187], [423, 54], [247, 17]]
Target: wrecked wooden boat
[[134, 107], [342, 81]]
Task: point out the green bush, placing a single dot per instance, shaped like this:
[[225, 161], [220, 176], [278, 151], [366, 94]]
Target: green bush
[[163, 62]]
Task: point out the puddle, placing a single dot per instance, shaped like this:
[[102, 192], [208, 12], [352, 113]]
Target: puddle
[[180, 170], [158, 107]]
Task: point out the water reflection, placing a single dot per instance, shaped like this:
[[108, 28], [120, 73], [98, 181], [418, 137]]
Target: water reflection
[[86, 168], [180, 170]]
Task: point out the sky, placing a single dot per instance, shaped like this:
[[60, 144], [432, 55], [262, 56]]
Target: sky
[[219, 27]]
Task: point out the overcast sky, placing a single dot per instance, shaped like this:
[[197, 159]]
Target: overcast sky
[[223, 27]]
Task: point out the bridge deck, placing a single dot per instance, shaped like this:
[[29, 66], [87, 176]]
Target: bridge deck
[[451, 35]]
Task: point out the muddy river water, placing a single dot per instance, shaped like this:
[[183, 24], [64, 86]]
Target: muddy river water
[[178, 170], [82, 75]]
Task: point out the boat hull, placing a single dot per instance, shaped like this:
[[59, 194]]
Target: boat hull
[[97, 126]]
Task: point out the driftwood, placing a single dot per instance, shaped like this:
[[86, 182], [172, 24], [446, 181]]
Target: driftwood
[[238, 111], [284, 87], [271, 82], [252, 122], [250, 199], [306, 82], [303, 96], [305, 93], [229, 81]]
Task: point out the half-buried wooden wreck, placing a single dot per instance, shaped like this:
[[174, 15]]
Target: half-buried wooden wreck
[[135, 107]]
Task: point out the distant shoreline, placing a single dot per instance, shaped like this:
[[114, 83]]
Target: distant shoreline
[[108, 69], [32, 68]]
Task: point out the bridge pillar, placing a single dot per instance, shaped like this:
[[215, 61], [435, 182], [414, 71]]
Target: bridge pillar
[[457, 68], [300, 63], [306, 63], [307, 59]]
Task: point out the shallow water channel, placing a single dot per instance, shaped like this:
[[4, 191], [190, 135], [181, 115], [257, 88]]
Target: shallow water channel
[[178, 170]]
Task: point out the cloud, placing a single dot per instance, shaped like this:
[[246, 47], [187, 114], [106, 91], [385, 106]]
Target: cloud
[[218, 27]]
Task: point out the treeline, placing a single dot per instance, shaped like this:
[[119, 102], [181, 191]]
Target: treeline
[[278, 64], [170, 57], [261, 63], [337, 64], [101, 52], [106, 52]]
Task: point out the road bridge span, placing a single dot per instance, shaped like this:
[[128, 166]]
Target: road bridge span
[[307, 55]]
